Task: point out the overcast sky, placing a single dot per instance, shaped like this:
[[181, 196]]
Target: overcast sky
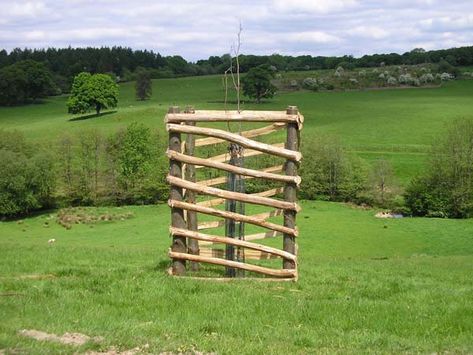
[[200, 28]]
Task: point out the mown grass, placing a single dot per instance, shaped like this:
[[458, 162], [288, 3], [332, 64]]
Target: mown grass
[[398, 124], [366, 285]]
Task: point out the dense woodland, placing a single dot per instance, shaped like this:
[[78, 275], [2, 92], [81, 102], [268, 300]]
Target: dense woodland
[[65, 63]]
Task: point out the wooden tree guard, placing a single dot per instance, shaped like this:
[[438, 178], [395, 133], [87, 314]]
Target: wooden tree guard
[[188, 242]]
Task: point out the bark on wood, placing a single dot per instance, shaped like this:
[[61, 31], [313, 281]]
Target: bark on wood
[[234, 116], [191, 216], [236, 216], [186, 158], [290, 190], [248, 153], [235, 138], [249, 254], [177, 214], [232, 241], [238, 196], [248, 134], [219, 201], [234, 264]]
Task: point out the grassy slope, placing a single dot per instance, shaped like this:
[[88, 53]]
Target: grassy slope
[[396, 124], [363, 287]]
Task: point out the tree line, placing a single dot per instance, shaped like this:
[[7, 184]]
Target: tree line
[[65, 63], [129, 167]]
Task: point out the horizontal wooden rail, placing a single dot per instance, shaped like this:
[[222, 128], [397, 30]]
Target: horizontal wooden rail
[[235, 138], [237, 196], [264, 235], [223, 179], [219, 201], [232, 215], [249, 254], [234, 264], [221, 223], [232, 241], [231, 168], [248, 134], [210, 224], [235, 116], [248, 153]]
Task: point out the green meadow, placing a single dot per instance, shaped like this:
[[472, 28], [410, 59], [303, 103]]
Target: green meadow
[[397, 124], [366, 285]]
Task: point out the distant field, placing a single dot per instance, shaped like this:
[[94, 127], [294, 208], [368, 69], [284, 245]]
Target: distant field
[[397, 124], [366, 286]]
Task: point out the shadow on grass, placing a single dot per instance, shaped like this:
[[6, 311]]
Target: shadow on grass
[[91, 116]]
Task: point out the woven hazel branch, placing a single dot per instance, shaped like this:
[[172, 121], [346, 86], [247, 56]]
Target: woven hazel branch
[[235, 138]]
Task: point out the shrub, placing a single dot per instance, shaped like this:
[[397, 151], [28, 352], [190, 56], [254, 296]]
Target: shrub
[[446, 187], [446, 77], [27, 179], [392, 80], [427, 78], [310, 84], [330, 173]]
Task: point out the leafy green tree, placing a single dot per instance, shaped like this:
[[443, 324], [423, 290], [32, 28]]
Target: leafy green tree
[[23, 81], [446, 187], [257, 83], [143, 85], [27, 177], [328, 172], [382, 182], [134, 157], [92, 92]]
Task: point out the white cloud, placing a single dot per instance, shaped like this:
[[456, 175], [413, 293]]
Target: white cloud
[[199, 28], [317, 6]]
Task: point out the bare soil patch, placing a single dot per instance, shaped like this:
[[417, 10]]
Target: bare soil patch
[[75, 339]]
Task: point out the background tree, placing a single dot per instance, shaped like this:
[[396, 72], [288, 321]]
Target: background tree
[[23, 81], [92, 92], [382, 183], [143, 85], [446, 187], [257, 83]]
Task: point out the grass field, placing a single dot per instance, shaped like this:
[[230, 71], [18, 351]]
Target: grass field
[[366, 285], [398, 124]]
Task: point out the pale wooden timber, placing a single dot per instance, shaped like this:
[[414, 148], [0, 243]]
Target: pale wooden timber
[[231, 168], [221, 223], [235, 138], [219, 201], [238, 196], [264, 235], [248, 134], [249, 254], [248, 153], [223, 179], [210, 224], [234, 264], [232, 241], [256, 236], [235, 216], [235, 116]]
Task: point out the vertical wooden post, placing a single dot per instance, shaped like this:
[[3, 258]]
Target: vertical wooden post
[[177, 214], [290, 189], [192, 244]]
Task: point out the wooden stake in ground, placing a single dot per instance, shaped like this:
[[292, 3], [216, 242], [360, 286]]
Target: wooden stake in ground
[[192, 244], [290, 189], [177, 214]]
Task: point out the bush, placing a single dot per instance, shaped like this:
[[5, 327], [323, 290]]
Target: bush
[[328, 172], [27, 179], [310, 84], [446, 187]]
